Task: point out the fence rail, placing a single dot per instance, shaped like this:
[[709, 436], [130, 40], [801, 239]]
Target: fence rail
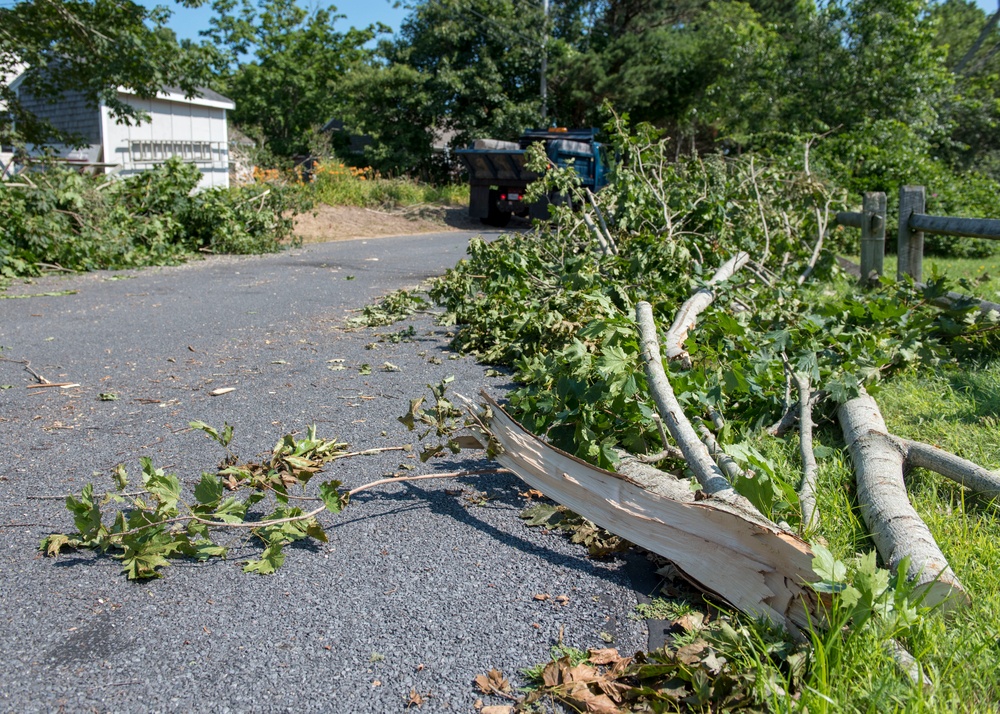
[[913, 224]]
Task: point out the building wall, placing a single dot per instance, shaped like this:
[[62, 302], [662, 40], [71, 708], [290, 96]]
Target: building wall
[[195, 133], [71, 113]]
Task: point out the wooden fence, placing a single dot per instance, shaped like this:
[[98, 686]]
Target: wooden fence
[[913, 224]]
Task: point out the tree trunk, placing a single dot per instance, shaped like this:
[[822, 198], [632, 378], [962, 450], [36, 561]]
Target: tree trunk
[[897, 529]]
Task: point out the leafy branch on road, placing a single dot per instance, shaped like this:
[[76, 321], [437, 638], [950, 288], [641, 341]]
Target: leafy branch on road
[[149, 527]]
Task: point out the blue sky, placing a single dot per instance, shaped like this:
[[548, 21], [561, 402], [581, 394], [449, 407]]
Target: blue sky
[[359, 13]]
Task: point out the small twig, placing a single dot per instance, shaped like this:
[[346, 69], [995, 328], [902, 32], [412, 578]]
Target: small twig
[[600, 219], [668, 452], [27, 366], [372, 452]]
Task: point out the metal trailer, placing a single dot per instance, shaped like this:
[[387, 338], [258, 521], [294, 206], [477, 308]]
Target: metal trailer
[[498, 177]]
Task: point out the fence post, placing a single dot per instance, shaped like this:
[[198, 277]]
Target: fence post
[[872, 235], [911, 243]]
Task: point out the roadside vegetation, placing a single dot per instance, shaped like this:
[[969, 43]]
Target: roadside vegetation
[[557, 307], [337, 184], [58, 219]]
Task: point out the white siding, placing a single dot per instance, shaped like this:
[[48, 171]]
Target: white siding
[[197, 133]]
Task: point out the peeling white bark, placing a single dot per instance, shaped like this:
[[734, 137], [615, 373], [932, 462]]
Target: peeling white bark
[[758, 568], [896, 527]]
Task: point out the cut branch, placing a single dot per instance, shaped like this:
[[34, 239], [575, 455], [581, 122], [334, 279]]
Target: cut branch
[[973, 476], [687, 315], [897, 529]]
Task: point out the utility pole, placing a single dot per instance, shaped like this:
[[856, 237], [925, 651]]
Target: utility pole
[[545, 62]]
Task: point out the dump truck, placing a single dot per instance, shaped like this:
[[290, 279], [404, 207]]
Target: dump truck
[[498, 177]]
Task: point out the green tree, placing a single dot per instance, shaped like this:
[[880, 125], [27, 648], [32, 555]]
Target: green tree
[[972, 43], [92, 46], [283, 66]]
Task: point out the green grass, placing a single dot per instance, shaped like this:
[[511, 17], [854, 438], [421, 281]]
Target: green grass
[[338, 185], [853, 672], [981, 276]]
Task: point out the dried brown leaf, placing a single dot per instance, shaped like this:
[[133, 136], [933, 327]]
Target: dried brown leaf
[[692, 622], [604, 656], [691, 654]]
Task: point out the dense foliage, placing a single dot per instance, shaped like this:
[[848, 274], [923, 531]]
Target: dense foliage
[[905, 92], [64, 219], [283, 66], [558, 310], [562, 314]]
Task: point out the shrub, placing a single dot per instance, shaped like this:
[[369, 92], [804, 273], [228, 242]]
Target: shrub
[[59, 217]]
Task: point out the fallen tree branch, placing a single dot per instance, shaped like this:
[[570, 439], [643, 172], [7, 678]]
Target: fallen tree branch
[[973, 476], [896, 528], [600, 218], [756, 567], [807, 486], [696, 454], [687, 315]]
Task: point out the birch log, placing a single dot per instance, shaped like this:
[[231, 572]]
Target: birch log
[[759, 569], [896, 527], [696, 454], [687, 315]]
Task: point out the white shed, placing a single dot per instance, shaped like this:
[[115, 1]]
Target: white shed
[[193, 128]]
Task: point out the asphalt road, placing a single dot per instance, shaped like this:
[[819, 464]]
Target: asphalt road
[[421, 587]]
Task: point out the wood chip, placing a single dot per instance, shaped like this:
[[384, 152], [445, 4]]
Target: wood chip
[[220, 391]]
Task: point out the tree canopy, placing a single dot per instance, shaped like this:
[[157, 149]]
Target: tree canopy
[[283, 67], [92, 46]]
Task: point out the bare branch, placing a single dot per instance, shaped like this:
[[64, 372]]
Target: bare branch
[[973, 476], [807, 487], [687, 315]]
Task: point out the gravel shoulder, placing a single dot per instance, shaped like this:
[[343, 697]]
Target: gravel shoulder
[[421, 586]]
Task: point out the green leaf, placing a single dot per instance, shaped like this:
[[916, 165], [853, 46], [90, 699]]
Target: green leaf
[[542, 514], [54, 544], [202, 426], [828, 568], [120, 476], [270, 560], [206, 549], [334, 500], [232, 510], [86, 513], [209, 490]]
